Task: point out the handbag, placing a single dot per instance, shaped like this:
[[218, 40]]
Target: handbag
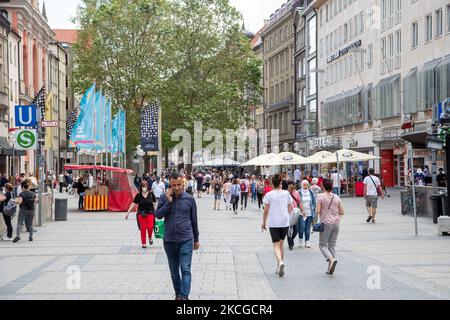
[[159, 229], [320, 227], [295, 215]]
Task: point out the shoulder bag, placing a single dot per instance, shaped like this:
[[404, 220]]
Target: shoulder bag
[[380, 193], [320, 227], [295, 215]]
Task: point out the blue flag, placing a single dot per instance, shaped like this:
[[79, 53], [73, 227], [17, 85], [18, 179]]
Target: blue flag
[[115, 135], [87, 97], [108, 127], [123, 131], [82, 135], [99, 121]]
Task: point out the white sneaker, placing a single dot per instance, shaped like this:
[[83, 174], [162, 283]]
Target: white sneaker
[[302, 245], [5, 238], [308, 245]]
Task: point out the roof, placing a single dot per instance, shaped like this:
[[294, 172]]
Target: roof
[[66, 35]]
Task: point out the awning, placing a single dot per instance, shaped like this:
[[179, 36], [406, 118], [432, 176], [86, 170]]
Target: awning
[[429, 66], [7, 150], [388, 80], [418, 138], [346, 94]]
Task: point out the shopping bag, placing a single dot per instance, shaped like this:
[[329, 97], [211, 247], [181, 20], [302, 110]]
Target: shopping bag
[[159, 229]]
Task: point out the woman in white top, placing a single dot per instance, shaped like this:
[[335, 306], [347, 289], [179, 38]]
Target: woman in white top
[[227, 194], [308, 199], [278, 205]]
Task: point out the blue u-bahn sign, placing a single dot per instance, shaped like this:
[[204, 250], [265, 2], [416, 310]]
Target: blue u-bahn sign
[[26, 116]]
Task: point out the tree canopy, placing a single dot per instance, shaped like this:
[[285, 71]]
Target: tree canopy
[[188, 54]]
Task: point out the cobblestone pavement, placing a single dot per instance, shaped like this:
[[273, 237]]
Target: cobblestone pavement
[[235, 261]]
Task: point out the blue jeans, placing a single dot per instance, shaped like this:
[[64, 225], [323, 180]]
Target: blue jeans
[[304, 228], [179, 256], [336, 191]]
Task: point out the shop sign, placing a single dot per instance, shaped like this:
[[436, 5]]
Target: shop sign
[[325, 142], [421, 153], [344, 51], [399, 151]]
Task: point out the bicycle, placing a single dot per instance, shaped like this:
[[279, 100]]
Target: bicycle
[[408, 205]]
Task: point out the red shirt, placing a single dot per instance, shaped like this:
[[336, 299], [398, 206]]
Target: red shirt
[[267, 189]]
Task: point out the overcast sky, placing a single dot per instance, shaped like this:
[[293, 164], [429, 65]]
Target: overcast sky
[[254, 11]]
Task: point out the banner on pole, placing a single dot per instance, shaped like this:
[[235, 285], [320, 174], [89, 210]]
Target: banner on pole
[[149, 128]]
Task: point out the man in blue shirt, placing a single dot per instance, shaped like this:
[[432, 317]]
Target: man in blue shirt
[[181, 236]]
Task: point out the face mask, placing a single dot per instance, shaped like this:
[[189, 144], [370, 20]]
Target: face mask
[[144, 190]]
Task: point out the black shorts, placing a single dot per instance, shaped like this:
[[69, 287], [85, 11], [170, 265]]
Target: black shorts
[[278, 234], [207, 185]]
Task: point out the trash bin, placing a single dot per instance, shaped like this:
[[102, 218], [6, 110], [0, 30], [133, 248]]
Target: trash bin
[[60, 209], [445, 208], [436, 207]]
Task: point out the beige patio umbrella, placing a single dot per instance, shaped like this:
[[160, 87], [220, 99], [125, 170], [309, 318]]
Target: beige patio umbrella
[[345, 155], [281, 159], [258, 160], [319, 157]]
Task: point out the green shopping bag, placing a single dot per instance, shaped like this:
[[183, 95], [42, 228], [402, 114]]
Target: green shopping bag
[[159, 229]]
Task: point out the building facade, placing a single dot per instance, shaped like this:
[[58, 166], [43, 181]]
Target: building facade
[[5, 28], [305, 86], [258, 111], [278, 44], [32, 26], [14, 40], [67, 38], [380, 62]]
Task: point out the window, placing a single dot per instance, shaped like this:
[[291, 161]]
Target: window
[[429, 28], [312, 77], [448, 18], [327, 12], [398, 49], [383, 56], [356, 25], [415, 35], [312, 35], [398, 11], [370, 57], [438, 23], [391, 50], [361, 61], [321, 48], [391, 13], [345, 33], [350, 30], [361, 22], [10, 53]]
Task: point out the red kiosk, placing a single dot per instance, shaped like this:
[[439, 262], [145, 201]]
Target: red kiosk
[[116, 196]]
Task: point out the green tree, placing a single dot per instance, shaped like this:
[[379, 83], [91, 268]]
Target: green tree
[[120, 48], [213, 68], [188, 54]]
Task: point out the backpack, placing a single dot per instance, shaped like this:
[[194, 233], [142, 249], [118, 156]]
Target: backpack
[[10, 208], [29, 203], [243, 187]]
